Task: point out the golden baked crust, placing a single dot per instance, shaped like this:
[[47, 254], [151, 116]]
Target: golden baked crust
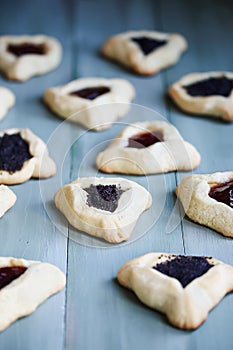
[[193, 193], [214, 105], [24, 294], [26, 66], [172, 153], [39, 166], [185, 308], [114, 226], [97, 114], [122, 49]]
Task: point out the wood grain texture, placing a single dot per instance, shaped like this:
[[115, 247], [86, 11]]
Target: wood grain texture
[[204, 29], [94, 312], [27, 231]]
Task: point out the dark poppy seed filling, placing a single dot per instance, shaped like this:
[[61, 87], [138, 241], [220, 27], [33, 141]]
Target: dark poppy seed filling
[[223, 193], [147, 45], [145, 139], [27, 49], [213, 86], [103, 197], [14, 151], [184, 268], [91, 93], [9, 274]]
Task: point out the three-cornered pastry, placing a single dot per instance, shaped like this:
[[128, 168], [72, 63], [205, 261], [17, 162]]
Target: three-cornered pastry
[[92, 102], [103, 207], [148, 148], [25, 56], [208, 200], [24, 285], [7, 199], [7, 99], [209, 93], [184, 288], [23, 155], [145, 52]]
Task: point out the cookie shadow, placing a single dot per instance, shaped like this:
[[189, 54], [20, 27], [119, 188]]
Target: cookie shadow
[[132, 299], [121, 68]]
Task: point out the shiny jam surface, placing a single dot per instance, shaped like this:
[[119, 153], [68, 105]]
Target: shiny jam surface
[[14, 151], [145, 139], [9, 274], [147, 45], [213, 86], [91, 93], [223, 193], [184, 268], [26, 49], [104, 197]]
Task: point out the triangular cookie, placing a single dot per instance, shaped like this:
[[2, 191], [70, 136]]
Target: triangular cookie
[[24, 285], [23, 155], [148, 148], [145, 52], [24, 56], [7, 99], [103, 207], [92, 102], [208, 200], [209, 93], [184, 288], [7, 199]]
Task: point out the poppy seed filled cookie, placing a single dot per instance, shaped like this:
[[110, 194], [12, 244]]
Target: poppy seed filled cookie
[[148, 45], [107, 208], [104, 197], [184, 288], [209, 93], [14, 151], [184, 268], [145, 52], [23, 155], [213, 86]]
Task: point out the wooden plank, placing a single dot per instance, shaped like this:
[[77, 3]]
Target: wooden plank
[[26, 231], [208, 27], [99, 312]]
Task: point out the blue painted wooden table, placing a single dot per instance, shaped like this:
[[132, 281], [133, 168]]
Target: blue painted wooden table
[[94, 312]]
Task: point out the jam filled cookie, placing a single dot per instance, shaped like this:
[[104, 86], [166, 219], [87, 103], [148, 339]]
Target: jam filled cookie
[[103, 207], [148, 148], [24, 285], [7, 199], [24, 56], [208, 200], [7, 99], [208, 93], [145, 52], [23, 155], [92, 102], [184, 288]]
